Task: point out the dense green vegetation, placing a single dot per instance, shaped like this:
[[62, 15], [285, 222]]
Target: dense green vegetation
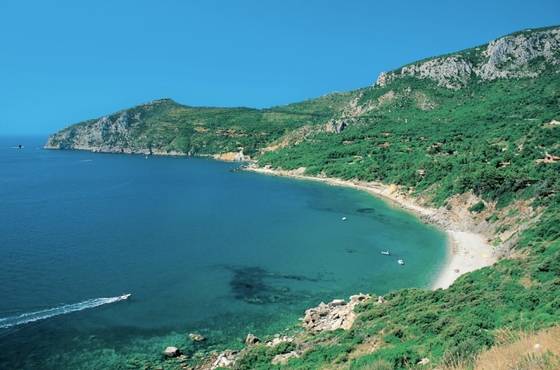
[[491, 138], [486, 138], [168, 126]]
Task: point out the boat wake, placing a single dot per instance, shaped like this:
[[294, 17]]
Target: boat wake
[[28, 317]]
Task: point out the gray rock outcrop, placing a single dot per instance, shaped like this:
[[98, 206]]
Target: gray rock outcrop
[[337, 314], [251, 340], [225, 359], [110, 134], [279, 340], [283, 358], [524, 54]]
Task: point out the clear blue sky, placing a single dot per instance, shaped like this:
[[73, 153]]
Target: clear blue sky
[[66, 61]]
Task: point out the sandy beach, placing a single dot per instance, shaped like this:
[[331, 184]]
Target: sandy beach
[[468, 251]]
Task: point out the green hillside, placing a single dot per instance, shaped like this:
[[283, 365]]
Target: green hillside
[[498, 139], [167, 126], [484, 121]]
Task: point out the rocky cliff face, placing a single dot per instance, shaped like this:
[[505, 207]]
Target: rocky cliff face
[[524, 54], [109, 134], [105, 134]]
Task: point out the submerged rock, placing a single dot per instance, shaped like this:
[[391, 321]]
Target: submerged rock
[[336, 315], [195, 337], [251, 284]]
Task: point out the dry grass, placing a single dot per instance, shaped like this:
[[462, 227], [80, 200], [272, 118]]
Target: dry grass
[[520, 351], [370, 345], [526, 281]]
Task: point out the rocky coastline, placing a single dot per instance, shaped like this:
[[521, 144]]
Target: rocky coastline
[[335, 315]]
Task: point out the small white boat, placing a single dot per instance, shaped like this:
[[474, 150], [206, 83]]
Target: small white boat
[[125, 296], [343, 218], [385, 253], [400, 262]]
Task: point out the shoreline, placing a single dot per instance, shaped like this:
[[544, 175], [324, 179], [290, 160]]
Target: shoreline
[[467, 250]]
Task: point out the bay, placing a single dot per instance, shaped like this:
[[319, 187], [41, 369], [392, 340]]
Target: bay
[[200, 246]]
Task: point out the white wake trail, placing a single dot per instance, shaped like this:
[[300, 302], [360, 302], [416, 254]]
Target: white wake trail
[[28, 317]]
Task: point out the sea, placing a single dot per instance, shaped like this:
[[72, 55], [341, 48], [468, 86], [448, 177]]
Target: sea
[[199, 245]]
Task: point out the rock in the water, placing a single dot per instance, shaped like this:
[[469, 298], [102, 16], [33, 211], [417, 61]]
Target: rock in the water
[[251, 340], [195, 337], [336, 315], [172, 352]]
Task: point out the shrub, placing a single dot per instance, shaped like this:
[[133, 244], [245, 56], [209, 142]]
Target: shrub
[[477, 207]]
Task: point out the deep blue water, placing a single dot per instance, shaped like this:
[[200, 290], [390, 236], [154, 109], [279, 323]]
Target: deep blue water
[[200, 246]]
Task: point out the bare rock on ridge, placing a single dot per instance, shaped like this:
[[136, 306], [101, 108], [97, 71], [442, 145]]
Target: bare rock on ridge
[[337, 314]]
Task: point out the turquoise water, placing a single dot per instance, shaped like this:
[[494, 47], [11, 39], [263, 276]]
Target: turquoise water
[[200, 246]]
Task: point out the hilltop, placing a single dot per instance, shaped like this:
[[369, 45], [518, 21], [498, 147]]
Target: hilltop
[[475, 132]]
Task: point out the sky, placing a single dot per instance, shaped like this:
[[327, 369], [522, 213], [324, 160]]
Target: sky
[[62, 62]]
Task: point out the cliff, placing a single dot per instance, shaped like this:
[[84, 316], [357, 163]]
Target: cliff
[[520, 55]]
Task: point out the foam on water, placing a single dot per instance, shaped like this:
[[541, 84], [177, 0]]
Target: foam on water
[[28, 317]]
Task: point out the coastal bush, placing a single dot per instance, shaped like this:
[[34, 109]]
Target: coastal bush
[[396, 357], [477, 207]]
